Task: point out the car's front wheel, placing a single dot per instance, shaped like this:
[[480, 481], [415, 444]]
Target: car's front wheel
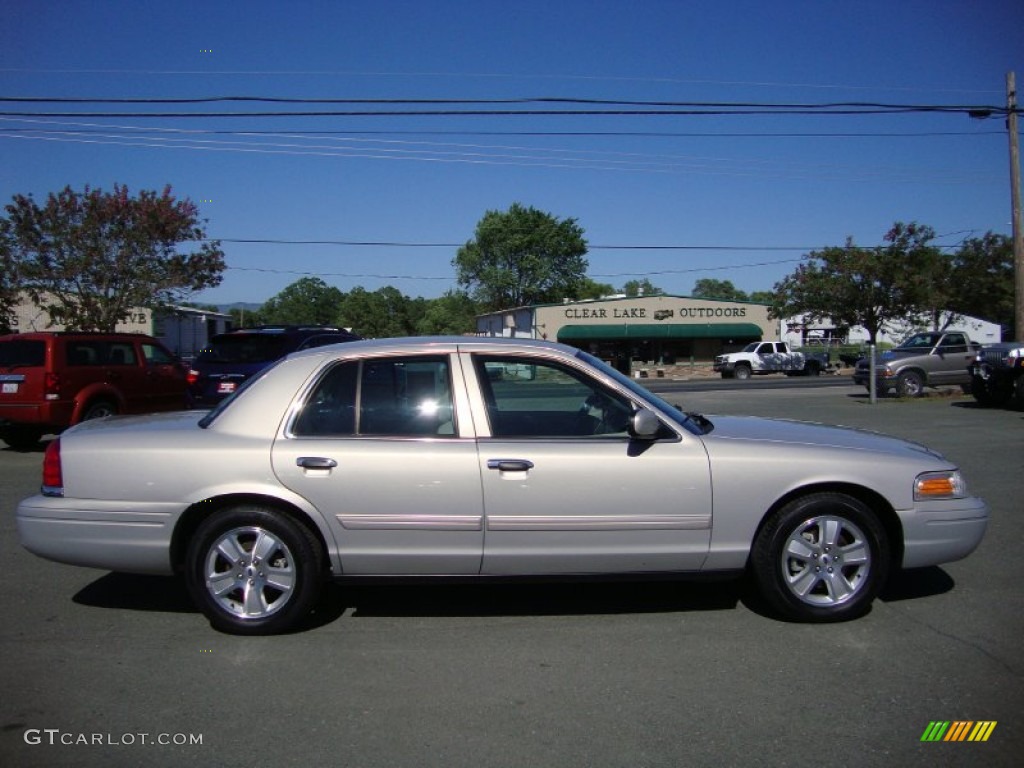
[[910, 384], [254, 571], [822, 557]]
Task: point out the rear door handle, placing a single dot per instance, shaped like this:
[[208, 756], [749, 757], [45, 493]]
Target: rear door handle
[[510, 465], [315, 462]]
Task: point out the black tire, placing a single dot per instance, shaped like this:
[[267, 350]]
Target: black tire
[[821, 558], [987, 395], [21, 438], [1017, 400], [742, 372], [99, 409], [812, 369], [244, 599], [910, 384]]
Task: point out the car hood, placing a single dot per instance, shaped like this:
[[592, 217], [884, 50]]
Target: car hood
[[813, 436], [899, 354]]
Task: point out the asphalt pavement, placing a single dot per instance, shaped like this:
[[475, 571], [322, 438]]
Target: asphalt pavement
[[99, 669]]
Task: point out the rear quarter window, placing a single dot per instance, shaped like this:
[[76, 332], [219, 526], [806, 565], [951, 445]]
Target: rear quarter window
[[22, 353]]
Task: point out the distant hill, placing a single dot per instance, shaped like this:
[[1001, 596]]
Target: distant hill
[[247, 306]]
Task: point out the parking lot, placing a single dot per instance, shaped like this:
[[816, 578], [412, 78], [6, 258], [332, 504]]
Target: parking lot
[[108, 670]]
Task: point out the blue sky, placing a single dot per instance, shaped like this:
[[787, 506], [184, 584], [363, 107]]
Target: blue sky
[[737, 197]]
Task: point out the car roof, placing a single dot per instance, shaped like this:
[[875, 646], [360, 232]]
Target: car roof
[[428, 344], [36, 335]]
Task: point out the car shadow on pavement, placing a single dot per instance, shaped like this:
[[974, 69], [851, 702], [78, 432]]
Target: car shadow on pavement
[[162, 594], [528, 599], [917, 583]]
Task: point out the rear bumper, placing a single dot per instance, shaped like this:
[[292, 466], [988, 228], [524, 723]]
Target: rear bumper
[[115, 536], [56, 414], [938, 532]]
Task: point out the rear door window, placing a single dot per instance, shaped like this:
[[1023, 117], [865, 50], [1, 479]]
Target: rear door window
[[400, 397]]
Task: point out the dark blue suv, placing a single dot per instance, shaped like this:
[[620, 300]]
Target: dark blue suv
[[234, 356]]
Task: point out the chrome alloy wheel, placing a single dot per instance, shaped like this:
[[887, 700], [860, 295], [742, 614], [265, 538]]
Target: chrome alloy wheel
[[250, 572], [826, 561]]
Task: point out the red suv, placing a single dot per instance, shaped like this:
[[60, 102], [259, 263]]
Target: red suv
[[49, 381]]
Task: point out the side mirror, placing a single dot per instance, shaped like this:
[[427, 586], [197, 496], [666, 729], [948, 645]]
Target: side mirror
[[644, 425]]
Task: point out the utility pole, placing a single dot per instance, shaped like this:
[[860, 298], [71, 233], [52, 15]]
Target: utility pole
[[1018, 225]]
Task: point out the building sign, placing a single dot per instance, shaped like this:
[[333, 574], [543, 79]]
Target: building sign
[[640, 313]]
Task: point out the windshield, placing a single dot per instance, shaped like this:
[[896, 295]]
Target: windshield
[[244, 348], [920, 341], [695, 426], [752, 346]]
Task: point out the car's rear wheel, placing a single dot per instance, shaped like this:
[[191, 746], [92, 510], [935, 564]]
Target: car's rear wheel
[[99, 409], [254, 571], [822, 557], [910, 384]]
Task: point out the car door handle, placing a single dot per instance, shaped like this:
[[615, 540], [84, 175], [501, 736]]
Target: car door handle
[[315, 462], [510, 465]]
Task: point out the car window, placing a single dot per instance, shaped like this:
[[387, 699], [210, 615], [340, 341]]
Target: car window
[[84, 353], [156, 355], [22, 352], [538, 398], [324, 339], [119, 353], [244, 348], [954, 342], [920, 341], [405, 397]]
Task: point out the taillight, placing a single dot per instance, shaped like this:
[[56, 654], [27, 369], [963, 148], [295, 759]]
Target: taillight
[[51, 384], [192, 376], [53, 477]]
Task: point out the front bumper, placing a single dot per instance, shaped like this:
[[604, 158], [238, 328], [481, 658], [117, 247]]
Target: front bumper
[[938, 532], [112, 535], [882, 384]]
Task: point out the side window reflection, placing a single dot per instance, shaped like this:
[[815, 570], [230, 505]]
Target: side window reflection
[[386, 397], [542, 399]]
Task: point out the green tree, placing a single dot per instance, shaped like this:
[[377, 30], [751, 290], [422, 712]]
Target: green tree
[[308, 301], [453, 313], [591, 289], [982, 281], [644, 287], [378, 314], [9, 286], [88, 258], [522, 256], [868, 287], [707, 288]]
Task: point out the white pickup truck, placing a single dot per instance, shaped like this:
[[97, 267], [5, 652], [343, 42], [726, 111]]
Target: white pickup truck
[[769, 357]]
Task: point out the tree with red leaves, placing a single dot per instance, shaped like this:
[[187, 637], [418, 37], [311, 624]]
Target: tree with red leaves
[[89, 258]]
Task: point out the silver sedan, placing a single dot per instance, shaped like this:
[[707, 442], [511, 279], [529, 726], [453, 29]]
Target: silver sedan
[[463, 457]]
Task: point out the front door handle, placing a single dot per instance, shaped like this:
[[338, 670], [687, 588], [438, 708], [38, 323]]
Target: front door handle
[[315, 462], [510, 465]]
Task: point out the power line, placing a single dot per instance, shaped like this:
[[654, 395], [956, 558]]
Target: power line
[[613, 134], [570, 106], [590, 246], [501, 76]]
